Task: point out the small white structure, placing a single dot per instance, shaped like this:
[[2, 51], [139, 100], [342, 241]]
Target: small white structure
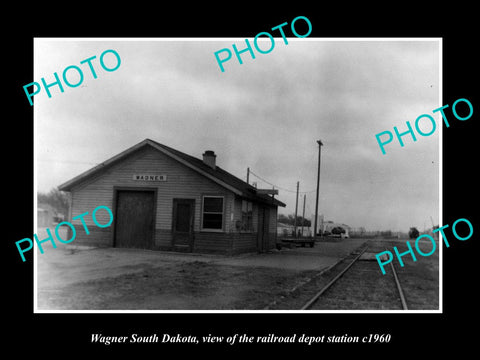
[[323, 226], [45, 215]]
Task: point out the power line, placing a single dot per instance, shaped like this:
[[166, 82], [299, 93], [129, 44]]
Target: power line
[[280, 187]]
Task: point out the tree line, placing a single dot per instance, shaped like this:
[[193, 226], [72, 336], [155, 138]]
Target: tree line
[[290, 220], [56, 199]]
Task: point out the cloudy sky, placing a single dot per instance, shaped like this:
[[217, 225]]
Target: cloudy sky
[[265, 114]]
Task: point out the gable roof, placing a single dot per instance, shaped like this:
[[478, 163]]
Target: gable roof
[[218, 175]]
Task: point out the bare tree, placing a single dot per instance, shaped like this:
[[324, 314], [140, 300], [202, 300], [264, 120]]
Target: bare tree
[[55, 198]]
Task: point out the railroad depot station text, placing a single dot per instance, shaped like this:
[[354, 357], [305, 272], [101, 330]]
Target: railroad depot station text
[[239, 339]]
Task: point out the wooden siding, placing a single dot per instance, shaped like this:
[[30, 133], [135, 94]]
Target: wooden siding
[[212, 242], [182, 182], [238, 214], [97, 236], [273, 227], [247, 241], [244, 242], [163, 239]]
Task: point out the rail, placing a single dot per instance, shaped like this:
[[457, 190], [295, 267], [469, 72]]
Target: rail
[[315, 298]]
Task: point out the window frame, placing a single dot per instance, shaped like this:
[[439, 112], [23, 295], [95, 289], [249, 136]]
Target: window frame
[[202, 228]]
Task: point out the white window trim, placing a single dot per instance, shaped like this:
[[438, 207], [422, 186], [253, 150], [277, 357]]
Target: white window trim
[[223, 214]]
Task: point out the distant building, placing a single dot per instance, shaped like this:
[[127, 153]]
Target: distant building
[[288, 230], [45, 215], [327, 226], [284, 229]]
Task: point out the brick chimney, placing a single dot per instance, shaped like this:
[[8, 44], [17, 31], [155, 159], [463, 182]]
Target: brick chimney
[[209, 158]]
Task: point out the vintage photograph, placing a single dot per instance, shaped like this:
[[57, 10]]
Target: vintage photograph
[[166, 184]]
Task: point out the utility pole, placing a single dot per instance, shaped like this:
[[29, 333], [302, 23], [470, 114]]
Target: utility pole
[[303, 216], [248, 174], [296, 210], [318, 187]]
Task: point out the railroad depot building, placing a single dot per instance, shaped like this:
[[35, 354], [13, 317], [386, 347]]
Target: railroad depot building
[[164, 199]]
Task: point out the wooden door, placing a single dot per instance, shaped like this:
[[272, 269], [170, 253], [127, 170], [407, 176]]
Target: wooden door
[[135, 219], [182, 224], [263, 228]]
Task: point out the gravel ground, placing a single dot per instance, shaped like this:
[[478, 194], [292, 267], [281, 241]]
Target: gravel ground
[[72, 278], [192, 285], [363, 287], [76, 278]]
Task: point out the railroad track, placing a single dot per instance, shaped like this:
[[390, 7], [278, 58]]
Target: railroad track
[[360, 285]]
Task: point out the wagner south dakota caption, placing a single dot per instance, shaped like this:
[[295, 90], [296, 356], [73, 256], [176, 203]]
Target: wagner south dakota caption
[[135, 338]]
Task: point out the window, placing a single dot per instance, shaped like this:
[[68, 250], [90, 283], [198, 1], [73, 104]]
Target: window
[[247, 216], [212, 214]]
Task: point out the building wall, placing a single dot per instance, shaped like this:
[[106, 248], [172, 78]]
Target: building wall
[[182, 182], [273, 220], [273, 227], [237, 205], [244, 240], [249, 240]]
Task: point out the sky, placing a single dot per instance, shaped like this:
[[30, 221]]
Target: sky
[[265, 114]]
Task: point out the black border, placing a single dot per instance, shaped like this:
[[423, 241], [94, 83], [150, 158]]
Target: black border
[[411, 333]]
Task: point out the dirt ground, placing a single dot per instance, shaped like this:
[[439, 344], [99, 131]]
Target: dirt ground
[[72, 278]]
